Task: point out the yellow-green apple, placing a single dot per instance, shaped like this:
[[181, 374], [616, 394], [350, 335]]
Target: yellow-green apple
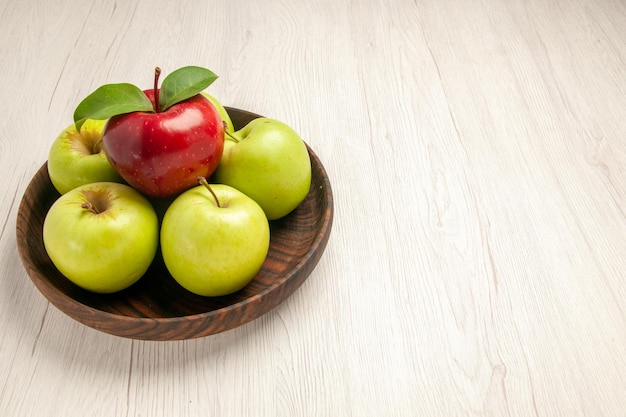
[[76, 158], [161, 139], [214, 239], [228, 126], [101, 236], [268, 161]]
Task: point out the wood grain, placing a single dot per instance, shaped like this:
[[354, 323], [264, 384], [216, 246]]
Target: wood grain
[[477, 157]]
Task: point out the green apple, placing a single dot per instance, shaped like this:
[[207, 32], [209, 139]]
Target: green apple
[[77, 158], [268, 161], [101, 236], [222, 111], [214, 239]]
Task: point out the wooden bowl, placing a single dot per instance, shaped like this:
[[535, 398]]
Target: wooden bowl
[[156, 307]]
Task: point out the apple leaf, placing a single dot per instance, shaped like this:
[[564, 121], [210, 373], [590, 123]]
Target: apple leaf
[[111, 100], [184, 83]]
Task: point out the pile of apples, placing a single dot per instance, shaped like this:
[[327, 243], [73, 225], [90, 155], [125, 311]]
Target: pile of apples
[[176, 145]]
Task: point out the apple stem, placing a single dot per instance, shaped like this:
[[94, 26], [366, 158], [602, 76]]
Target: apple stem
[[157, 106], [97, 147], [88, 206], [230, 136], [204, 182]]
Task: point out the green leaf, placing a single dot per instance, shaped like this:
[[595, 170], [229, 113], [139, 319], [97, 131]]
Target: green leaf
[[111, 100], [184, 83]]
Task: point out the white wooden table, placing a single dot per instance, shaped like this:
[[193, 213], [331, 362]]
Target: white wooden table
[[477, 151]]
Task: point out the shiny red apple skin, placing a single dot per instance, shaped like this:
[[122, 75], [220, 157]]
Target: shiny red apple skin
[[162, 154]]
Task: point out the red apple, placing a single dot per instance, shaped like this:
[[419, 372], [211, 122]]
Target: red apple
[[162, 153]]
